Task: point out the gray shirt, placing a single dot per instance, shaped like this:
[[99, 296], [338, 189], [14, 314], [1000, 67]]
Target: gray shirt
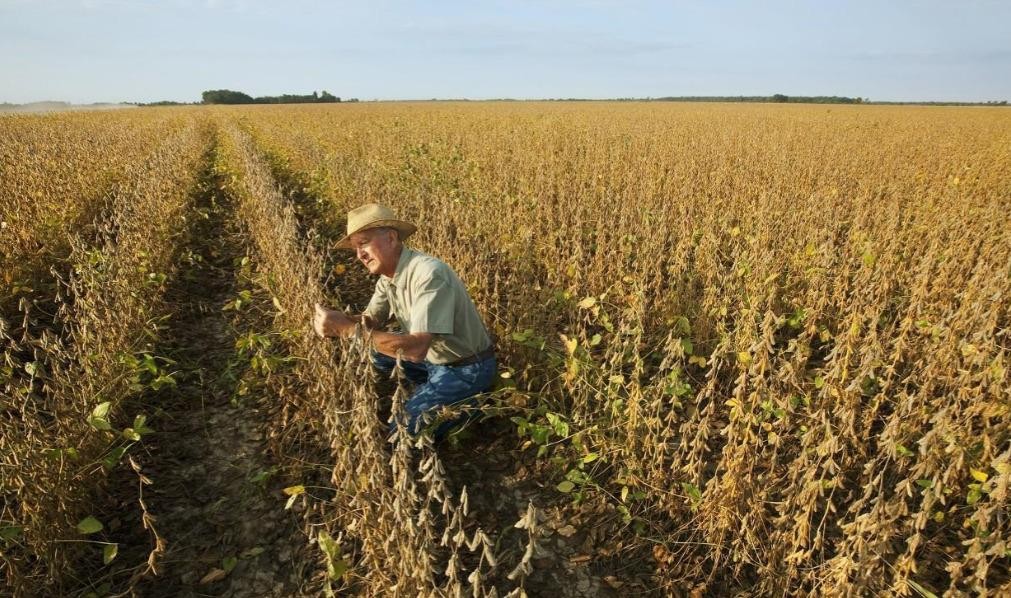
[[425, 295]]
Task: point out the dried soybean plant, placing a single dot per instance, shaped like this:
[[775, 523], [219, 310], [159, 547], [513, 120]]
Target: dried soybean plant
[[61, 432], [782, 329], [394, 510], [786, 327]]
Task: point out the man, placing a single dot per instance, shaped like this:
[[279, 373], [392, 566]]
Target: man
[[445, 348]]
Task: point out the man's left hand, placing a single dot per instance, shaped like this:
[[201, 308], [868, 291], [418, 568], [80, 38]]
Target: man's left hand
[[329, 322]]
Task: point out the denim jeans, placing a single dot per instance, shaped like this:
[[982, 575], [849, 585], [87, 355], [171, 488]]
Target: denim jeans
[[439, 385]]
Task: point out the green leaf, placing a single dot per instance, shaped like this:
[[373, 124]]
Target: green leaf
[[576, 476], [626, 515], [590, 458], [89, 525], [99, 416], [903, 451], [99, 423], [109, 552], [148, 363], [566, 486], [228, 563], [131, 434], [925, 484], [140, 425], [686, 345], [263, 476], [692, 491], [336, 566], [112, 459], [520, 337], [973, 496], [162, 381]]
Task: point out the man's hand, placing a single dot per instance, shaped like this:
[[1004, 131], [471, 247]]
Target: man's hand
[[329, 322]]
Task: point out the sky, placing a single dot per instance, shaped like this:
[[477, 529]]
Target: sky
[[147, 50]]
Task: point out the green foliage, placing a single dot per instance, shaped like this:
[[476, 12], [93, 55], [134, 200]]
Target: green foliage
[[225, 96], [228, 96], [336, 566], [89, 525], [694, 495], [263, 476], [540, 428], [99, 417]]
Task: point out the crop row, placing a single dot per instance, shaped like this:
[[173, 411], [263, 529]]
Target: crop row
[[784, 330]]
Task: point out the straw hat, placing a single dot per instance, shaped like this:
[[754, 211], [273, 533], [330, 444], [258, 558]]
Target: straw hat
[[373, 215]]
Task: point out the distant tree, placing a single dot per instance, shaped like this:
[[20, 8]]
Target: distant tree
[[226, 96], [780, 98]]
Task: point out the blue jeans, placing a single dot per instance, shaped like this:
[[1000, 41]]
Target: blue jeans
[[439, 385]]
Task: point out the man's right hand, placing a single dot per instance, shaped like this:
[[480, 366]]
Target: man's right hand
[[329, 322]]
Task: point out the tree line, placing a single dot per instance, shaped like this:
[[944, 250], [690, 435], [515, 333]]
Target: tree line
[[228, 96]]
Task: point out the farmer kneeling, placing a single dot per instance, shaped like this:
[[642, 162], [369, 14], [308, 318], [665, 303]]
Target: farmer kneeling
[[445, 347]]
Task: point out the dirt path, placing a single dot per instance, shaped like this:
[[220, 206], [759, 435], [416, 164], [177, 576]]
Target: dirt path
[[215, 492]]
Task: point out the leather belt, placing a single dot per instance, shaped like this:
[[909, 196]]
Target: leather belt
[[476, 358]]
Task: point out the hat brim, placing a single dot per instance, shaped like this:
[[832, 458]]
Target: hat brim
[[405, 228]]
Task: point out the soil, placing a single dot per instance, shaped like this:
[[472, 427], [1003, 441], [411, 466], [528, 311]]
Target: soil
[[215, 493], [583, 549]]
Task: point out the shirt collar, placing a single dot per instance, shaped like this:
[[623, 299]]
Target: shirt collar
[[406, 253]]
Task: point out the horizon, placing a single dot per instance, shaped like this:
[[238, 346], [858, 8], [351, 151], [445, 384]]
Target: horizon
[[113, 51]]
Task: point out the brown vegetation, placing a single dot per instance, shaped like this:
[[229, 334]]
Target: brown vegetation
[[772, 339]]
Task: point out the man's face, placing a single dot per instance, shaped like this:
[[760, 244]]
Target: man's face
[[377, 250]]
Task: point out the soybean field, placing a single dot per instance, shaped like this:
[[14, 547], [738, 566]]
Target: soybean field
[[744, 349]]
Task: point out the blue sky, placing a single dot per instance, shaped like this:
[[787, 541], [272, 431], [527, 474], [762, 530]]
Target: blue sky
[[146, 50]]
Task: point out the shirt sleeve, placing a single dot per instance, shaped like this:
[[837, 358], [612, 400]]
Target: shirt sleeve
[[379, 306], [434, 305]]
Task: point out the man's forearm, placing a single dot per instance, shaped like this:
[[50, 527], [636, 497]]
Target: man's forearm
[[389, 343], [413, 347], [354, 320]]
